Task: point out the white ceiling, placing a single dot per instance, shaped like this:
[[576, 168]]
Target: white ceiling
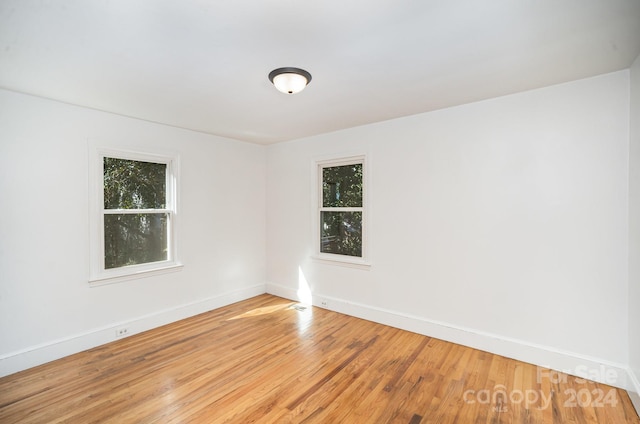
[[203, 64]]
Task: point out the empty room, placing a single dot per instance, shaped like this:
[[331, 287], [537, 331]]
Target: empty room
[[281, 211]]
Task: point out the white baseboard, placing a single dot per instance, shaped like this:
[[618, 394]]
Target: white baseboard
[[595, 369], [634, 393], [635, 400], [56, 349]]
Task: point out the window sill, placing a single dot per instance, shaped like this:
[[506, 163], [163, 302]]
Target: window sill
[[132, 274], [339, 260]]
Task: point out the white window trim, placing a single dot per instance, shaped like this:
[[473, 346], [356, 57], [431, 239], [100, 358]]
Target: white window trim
[[363, 262], [98, 275]]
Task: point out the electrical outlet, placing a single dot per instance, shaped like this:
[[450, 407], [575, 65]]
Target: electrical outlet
[[122, 331], [324, 303]]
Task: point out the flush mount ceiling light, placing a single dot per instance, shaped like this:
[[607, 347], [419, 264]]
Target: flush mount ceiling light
[[290, 80]]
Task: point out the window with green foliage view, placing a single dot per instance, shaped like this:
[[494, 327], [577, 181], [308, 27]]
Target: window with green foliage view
[[341, 209], [136, 216]]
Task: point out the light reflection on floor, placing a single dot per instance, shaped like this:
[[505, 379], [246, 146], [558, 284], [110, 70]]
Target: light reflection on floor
[[303, 312], [263, 311], [305, 318], [303, 309]]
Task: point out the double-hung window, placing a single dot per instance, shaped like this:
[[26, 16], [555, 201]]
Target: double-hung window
[[341, 210], [134, 217]]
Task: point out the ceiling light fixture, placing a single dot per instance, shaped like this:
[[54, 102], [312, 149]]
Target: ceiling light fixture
[[290, 80]]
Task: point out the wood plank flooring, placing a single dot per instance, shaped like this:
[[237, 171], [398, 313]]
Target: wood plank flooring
[[264, 361]]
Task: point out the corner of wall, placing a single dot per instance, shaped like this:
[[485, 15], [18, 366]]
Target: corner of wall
[[634, 233]]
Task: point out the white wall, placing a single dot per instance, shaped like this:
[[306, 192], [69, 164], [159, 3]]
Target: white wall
[[634, 230], [500, 224], [47, 308]]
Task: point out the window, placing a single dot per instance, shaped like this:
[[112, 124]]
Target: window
[[134, 217], [341, 210]]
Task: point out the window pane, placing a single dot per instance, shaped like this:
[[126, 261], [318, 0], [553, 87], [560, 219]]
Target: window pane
[[342, 186], [131, 184], [341, 233], [134, 239]]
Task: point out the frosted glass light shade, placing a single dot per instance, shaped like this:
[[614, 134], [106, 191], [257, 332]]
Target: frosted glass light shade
[[290, 80]]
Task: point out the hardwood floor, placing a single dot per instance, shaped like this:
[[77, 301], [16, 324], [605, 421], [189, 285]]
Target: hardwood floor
[[263, 360]]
